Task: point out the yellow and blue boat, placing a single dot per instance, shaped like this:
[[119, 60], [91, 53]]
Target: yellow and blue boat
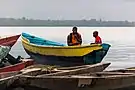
[[53, 53]]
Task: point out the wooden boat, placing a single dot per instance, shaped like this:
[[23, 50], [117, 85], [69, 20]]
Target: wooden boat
[[9, 40], [81, 82], [40, 70], [17, 67], [53, 53], [123, 79], [90, 81]]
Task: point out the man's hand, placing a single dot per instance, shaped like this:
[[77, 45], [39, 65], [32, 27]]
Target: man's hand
[[78, 40]]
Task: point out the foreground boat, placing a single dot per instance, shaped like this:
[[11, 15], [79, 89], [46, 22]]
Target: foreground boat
[[43, 70], [53, 53], [78, 82], [106, 80]]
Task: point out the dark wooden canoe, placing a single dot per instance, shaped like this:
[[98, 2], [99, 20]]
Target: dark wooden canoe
[[25, 81], [9, 40], [106, 80], [17, 67], [15, 78], [81, 82]]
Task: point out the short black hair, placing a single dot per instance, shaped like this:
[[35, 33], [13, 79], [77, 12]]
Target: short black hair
[[74, 28], [96, 32]]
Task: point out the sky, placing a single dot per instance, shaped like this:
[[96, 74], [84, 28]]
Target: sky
[[69, 9]]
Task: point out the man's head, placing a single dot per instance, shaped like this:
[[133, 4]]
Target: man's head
[[74, 30], [95, 33]]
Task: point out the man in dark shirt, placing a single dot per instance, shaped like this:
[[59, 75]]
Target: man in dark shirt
[[74, 38]]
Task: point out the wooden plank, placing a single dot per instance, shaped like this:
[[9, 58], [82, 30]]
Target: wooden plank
[[90, 68]]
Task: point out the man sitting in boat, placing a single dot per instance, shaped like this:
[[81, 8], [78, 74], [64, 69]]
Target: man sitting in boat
[[97, 38], [74, 38]]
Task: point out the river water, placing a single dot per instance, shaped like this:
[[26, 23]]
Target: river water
[[122, 40]]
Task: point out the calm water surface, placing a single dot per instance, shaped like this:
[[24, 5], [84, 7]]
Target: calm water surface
[[122, 40]]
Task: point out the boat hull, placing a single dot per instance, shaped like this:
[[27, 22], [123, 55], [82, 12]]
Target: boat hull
[[81, 82], [91, 58], [17, 67], [9, 41]]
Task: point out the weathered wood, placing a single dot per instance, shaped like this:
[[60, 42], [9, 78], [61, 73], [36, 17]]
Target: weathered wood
[[87, 81], [9, 79], [89, 68], [80, 82]]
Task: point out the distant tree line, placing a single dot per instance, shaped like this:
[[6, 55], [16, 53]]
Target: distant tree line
[[87, 23]]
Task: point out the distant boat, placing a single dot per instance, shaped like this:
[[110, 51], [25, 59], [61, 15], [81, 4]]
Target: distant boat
[[53, 53]]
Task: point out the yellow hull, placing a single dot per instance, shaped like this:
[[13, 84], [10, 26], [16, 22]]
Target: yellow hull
[[67, 51]]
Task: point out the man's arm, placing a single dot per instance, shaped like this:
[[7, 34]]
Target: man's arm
[[69, 40], [80, 39]]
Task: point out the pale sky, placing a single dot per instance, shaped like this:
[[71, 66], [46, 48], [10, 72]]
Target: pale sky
[[69, 9]]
